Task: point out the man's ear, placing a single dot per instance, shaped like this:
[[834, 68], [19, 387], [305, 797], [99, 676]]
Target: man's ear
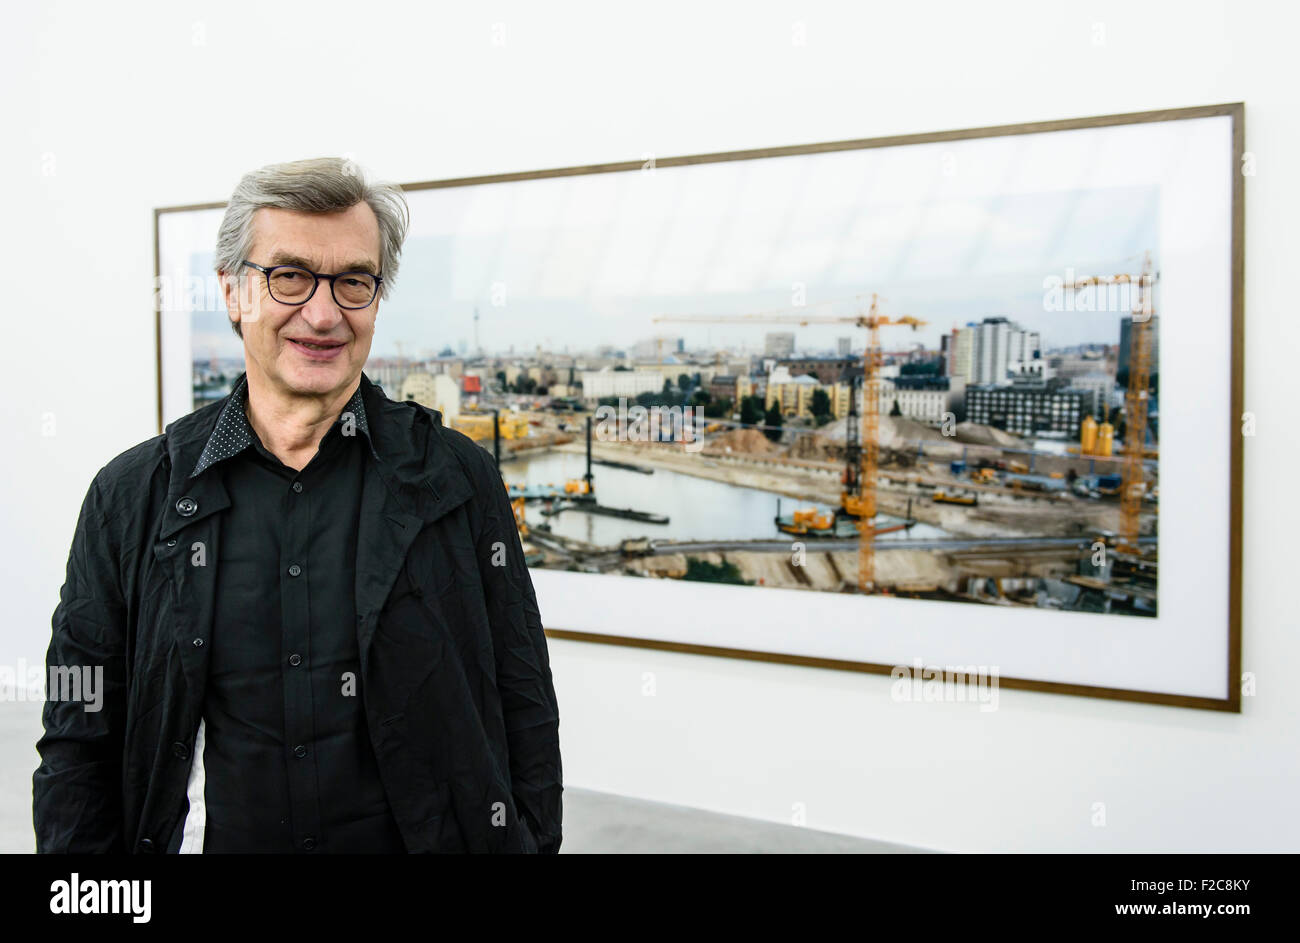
[[230, 294], [242, 306]]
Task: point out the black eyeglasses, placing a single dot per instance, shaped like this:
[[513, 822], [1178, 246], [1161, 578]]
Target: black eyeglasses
[[294, 285]]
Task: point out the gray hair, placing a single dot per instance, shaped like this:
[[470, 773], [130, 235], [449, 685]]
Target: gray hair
[[320, 185]]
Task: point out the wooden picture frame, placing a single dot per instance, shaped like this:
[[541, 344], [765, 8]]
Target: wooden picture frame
[[1210, 679]]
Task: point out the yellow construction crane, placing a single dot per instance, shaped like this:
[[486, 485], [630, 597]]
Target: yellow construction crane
[[1137, 399], [861, 458]]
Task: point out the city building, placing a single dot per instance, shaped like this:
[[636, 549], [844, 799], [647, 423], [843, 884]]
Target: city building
[[927, 399], [1153, 339], [439, 392], [793, 394], [627, 383], [734, 388], [998, 347], [389, 374], [1029, 372], [778, 344], [1099, 393], [963, 352], [1070, 365], [827, 370], [1027, 410], [671, 368]]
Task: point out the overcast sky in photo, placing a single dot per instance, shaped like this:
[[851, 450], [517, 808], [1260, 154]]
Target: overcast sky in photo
[[950, 232]]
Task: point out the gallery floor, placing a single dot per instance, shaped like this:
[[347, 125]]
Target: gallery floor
[[593, 821]]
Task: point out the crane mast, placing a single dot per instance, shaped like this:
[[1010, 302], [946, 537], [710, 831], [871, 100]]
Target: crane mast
[[1137, 401], [862, 443]]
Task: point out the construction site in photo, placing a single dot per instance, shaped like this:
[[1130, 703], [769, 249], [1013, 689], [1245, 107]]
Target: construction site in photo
[[870, 502], [1025, 538]]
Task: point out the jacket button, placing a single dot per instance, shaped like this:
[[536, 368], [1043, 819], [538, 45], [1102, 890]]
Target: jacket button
[[300, 751], [295, 570], [186, 506], [146, 846], [295, 659], [172, 542], [198, 643], [308, 843], [180, 750]]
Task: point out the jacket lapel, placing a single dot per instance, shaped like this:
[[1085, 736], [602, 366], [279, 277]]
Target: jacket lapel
[[415, 481], [384, 535], [186, 546]]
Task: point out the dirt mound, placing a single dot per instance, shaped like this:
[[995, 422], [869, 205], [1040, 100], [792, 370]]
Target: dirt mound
[[813, 448], [975, 434], [895, 431], [743, 442]]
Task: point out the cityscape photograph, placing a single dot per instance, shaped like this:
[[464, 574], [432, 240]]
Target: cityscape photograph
[[998, 462], [687, 376]]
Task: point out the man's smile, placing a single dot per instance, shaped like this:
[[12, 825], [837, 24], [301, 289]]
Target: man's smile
[[317, 349]]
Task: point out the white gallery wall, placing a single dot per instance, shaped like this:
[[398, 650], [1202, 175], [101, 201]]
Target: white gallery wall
[[110, 112]]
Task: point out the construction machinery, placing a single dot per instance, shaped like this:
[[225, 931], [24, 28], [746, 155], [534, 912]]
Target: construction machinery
[[810, 519], [1137, 400], [813, 522], [481, 426], [858, 499], [942, 497]]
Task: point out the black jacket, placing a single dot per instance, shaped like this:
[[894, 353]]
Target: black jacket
[[455, 676]]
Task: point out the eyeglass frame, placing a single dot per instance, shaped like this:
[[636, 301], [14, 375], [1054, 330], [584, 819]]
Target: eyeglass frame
[[379, 280]]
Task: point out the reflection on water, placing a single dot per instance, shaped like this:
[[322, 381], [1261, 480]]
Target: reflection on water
[[697, 508]]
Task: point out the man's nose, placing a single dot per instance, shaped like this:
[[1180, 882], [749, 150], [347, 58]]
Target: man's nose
[[321, 311]]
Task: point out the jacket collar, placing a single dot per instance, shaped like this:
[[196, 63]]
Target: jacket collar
[[233, 432], [409, 453]]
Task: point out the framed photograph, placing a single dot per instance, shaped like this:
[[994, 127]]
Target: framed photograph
[[964, 408]]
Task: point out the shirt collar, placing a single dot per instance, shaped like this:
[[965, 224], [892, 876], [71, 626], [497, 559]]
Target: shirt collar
[[232, 433]]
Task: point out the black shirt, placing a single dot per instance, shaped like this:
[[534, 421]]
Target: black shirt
[[287, 758]]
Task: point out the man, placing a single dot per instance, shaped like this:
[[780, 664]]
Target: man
[[309, 602]]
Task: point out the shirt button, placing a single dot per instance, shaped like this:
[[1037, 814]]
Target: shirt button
[[172, 542], [308, 843], [295, 659], [300, 751], [186, 506], [295, 570], [198, 643], [297, 487]]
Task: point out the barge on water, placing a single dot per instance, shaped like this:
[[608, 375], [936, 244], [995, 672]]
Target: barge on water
[[817, 523], [626, 466], [588, 505]]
